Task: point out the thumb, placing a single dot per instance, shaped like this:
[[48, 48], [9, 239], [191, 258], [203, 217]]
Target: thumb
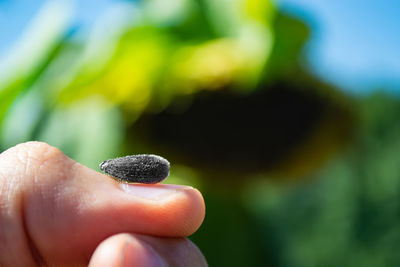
[[144, 251], [125, 250]]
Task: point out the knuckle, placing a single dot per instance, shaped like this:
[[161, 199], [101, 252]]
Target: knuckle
[[37, 151], [28, 158]]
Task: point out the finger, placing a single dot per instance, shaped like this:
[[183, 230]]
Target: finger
[[68, 208], [124, 250], [144, 251]]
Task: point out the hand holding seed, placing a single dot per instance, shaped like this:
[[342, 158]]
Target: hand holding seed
[[56, 212]]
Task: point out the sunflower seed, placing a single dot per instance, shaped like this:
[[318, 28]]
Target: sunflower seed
[[144, 168]]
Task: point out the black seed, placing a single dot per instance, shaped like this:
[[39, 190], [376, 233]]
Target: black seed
[[147, 169]]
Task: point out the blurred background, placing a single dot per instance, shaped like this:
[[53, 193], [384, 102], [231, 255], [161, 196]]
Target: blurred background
[[285, 114]]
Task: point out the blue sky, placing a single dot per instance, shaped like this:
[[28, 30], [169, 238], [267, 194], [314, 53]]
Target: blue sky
[[354, 44], [15, 15]]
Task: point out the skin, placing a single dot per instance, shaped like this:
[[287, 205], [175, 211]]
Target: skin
[[57, 212]]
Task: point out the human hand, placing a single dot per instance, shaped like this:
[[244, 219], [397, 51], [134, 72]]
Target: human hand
[[57, 212]]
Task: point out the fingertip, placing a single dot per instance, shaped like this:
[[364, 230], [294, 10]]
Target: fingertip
[[193, 204], [175, 210]]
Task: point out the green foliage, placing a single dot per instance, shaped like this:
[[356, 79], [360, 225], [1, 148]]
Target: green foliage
[[347, 213]]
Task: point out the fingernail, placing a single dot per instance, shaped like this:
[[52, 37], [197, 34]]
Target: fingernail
[[148, 257], [152, 192]]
